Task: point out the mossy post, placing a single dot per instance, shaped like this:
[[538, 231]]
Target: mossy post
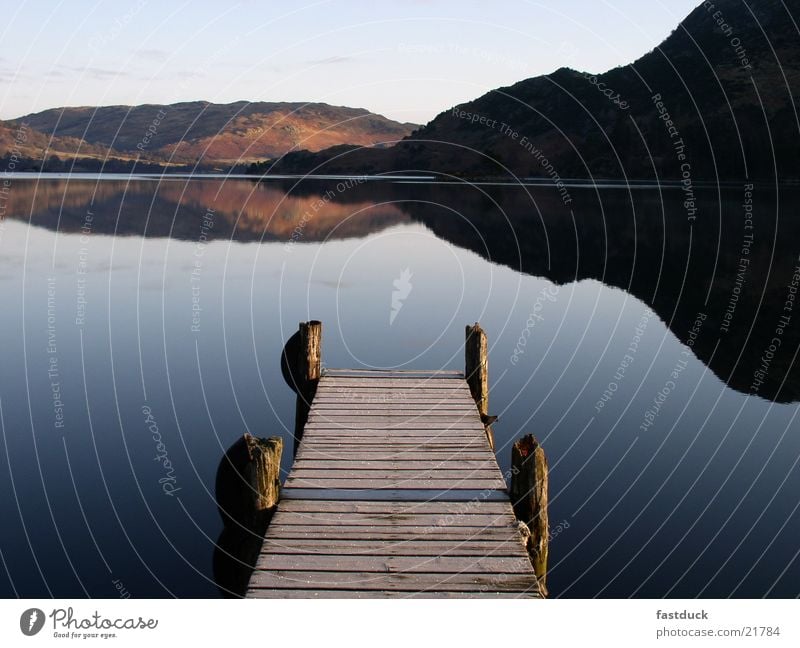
[[476, 371], [249, 482], [247, 489], [309, 369], [529, 476]]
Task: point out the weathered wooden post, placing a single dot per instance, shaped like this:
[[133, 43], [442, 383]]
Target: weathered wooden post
[[309, 369], [249, 482], [247, 489], [263, 474], [529, 499], [476, 371]]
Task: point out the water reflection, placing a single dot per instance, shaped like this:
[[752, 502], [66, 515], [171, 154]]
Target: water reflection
[[242, 211], [701, 501], [735, 265]]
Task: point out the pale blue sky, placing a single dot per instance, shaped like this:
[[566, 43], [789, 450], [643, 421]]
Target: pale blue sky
[[405, 59]]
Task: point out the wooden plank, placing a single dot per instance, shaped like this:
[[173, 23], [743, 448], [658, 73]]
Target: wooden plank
[[396, 422], [437, 395], [382, 444], [389, 475], [468, 443], [397, 476], [373, 387], [390, 455], [407, 469], [428, 547], [396, 443], [331, 450], [409, 404], [409, 464], [286, 593], [452, 388], [428, 424], [463, 533], [378, 371], [344, 431], [388, 443], [352, 430], [397, 408], [396, 484], [406, 495], [453, 468], [399, 518], [452, 396], [439, 417], [394, 409], [418, 428], [392, 581], [400, 420], [398, 453], [390, 381], [397, 462], [333, 401], [330, 438], [383, 397], [394, 564], [392, 373], [460, 534], [387, 523], [400, 410], [393, 385], [396, 385], [388, 448], [453, 440], [441, 507], [447, 402], [455, 395], [362, 394], [450, 440]]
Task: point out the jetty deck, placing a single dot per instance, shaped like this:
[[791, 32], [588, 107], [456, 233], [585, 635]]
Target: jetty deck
[[394, 492]]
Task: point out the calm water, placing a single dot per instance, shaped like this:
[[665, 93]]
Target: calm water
[[627, 336]]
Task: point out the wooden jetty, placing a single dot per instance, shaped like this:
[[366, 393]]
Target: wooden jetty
[[395, 490]]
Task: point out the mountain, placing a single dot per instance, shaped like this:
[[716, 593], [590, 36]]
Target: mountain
[[26, 142], [717, 99], [213, 134]]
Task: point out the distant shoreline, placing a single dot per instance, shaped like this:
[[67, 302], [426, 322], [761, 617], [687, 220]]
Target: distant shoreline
[[577, 183]]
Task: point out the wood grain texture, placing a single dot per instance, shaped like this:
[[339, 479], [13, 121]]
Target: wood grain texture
[[394, 493], [379, 594]]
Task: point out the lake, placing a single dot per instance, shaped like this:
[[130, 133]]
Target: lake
[[648, 340]]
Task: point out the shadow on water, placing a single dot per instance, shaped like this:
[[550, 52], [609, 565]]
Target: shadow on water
[[237, 548], [238, 545]]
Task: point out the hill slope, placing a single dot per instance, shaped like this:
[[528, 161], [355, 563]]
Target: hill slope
[[726, 79], [213, 133]]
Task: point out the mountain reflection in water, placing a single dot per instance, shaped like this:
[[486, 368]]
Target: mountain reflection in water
[[730, 259], [674, 462]]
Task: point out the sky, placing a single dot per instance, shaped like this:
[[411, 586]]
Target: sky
[[406, 59]]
